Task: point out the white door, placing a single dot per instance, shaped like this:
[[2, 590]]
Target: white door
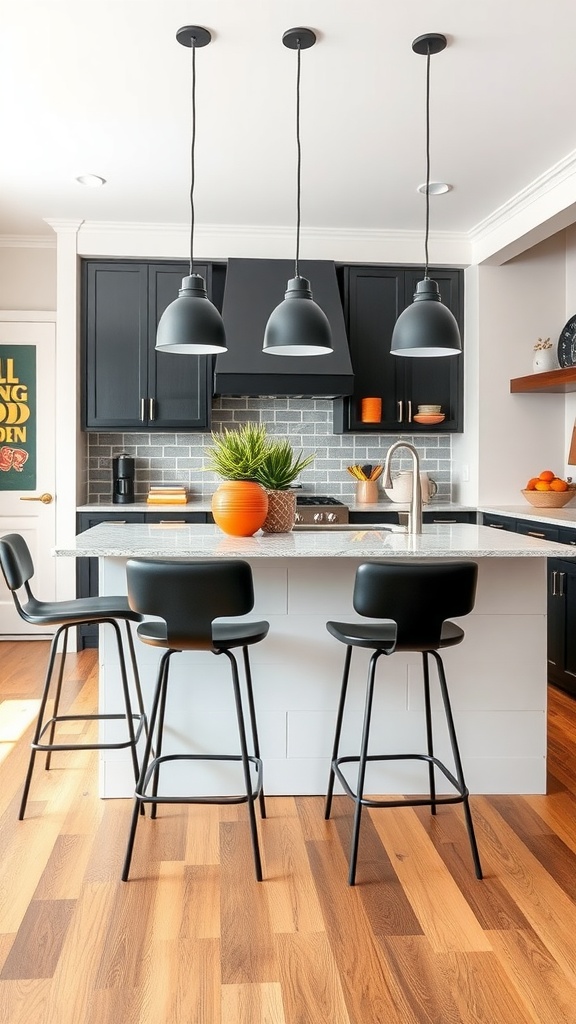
[[28, 457]]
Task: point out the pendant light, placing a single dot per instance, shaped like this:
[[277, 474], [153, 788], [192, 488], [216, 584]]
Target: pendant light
[[298, 327], [192, 324], [427, 327]]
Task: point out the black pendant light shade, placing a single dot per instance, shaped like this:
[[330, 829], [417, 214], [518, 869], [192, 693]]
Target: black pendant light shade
[[427, 327], [298, 327], [191, 324]]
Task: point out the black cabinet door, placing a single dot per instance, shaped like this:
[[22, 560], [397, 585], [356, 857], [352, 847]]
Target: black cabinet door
[[561, 607], [179, 386], [115, 363], [498, 522], [437, 380], [127, 384], [374, 297], [543, 531]]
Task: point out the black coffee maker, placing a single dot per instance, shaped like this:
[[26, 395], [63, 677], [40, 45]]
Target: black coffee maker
[[123, 479]]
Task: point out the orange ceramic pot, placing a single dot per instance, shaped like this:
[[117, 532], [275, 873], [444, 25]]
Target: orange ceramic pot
[[239, 507]]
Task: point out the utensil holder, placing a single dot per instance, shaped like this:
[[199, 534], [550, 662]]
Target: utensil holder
[[367, 492]]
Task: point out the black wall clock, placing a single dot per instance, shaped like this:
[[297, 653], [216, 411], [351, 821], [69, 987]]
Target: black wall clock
[[567, 344]]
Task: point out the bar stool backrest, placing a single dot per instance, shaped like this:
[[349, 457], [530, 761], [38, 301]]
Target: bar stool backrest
[[17, 565], [417, 596], [190, 595]]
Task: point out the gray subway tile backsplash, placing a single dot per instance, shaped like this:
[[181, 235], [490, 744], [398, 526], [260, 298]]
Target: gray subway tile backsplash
[[180, 458]]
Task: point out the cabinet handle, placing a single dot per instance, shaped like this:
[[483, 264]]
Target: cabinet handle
[[562, 576], [496, 526], [409, 410], [152, 408], [532, 533], [400, 411], [444, 520], [142, 409], [170, 522], [553, 583], [558, 583]]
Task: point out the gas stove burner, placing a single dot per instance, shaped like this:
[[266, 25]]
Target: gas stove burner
[[312, 508], [314, 499]]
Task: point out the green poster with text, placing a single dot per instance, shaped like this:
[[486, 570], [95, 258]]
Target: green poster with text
[[17, 417]]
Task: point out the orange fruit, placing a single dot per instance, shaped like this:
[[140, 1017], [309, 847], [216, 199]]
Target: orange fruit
[[548, 475], [558, 485], [542, 485], [530, 486]]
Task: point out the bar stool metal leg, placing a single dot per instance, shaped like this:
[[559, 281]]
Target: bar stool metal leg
[[57, 697], [336, 744], [362, 767], [429, 737], [39, 720], [246, 764], [253, 724], [458, 765], [159, 737], [161, 683]]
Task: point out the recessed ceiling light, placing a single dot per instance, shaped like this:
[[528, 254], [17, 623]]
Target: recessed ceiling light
[[91, 180], [436, 188]]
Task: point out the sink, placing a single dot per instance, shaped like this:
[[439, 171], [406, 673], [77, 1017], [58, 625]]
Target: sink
[[348, 528]]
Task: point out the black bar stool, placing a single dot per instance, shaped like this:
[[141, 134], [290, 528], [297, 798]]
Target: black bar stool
[[18, 569], [189, 596], [415, 599]]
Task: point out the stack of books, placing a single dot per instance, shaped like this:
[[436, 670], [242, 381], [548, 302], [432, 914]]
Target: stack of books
[[175, 495]]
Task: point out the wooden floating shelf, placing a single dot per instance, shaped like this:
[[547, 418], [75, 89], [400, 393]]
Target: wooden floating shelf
[[551, 381]]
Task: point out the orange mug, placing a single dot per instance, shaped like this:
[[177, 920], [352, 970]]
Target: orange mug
[[371, 410]]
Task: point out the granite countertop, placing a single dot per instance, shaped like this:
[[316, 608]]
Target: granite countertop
[[554, 516], [461, 540]]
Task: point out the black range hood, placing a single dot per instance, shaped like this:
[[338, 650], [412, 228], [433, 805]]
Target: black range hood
[[253, 289]]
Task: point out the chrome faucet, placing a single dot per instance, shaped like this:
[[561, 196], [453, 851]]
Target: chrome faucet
[[415, 509]]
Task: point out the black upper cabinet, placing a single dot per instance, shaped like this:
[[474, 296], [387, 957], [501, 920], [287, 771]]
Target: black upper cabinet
[[374, 297], [128, 385]]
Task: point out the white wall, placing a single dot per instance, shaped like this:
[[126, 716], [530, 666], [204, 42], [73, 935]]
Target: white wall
[[27, 277], [517, 435]]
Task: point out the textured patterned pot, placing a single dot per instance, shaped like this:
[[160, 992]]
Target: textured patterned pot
[[239, 507], [281, 512]]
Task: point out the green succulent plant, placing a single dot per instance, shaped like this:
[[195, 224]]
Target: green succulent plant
[[238, 454], [281, 465], [249, 454]]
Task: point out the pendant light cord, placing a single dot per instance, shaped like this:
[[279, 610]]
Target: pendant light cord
[[192, 147], [427, 163], [299, 164]]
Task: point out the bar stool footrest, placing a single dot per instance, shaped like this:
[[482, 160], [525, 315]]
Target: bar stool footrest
[[462, 792], [121, 745], [140, 794]]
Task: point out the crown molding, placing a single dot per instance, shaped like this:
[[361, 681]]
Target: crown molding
[[27, 242], [520, 221]]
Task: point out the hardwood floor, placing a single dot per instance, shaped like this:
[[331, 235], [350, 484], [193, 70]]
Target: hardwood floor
[[193, 939]]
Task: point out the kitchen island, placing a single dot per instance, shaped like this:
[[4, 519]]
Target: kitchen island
[[497, 676]]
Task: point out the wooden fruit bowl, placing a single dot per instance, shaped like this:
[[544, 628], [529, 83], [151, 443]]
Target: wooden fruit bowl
[[549, 499]]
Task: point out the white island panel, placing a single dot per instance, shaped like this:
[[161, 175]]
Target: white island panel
[[497, 676]]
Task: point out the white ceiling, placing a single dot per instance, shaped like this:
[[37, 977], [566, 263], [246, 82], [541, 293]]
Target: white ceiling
[[104, 87]]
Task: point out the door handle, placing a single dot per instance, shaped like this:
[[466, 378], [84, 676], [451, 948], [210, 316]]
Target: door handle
[[44, 498]]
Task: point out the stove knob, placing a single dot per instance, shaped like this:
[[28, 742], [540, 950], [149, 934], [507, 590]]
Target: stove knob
[[331, 517], [297, 518], [318, 517]]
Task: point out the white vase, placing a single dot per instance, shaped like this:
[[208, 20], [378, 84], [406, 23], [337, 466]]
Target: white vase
[[544, 359]]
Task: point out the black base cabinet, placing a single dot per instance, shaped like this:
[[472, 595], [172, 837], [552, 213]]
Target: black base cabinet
[[560, 598], [87, 568], [562, 624], [427, 517]]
